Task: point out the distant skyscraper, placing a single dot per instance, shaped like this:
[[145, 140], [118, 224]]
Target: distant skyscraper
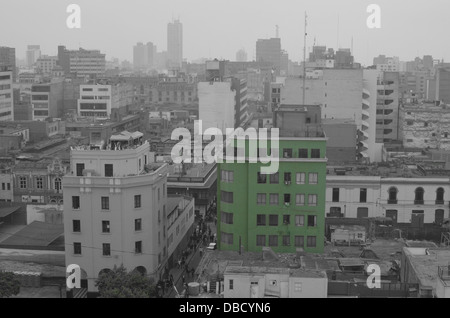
[[241, 56], [6, 93], [175, 44], [82, 62], [150, 55], [139, 58], [269, 50], [32, 54], [8, 58]]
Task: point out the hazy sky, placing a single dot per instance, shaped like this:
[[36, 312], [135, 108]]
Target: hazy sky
[[218, 28]]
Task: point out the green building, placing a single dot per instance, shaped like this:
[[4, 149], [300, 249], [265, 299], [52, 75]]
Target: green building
[[285, 210]]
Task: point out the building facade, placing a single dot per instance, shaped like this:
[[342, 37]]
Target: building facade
[[115, 210], [174, 44], [6, 94]]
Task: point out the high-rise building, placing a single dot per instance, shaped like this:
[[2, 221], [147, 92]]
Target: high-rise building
[[6, 93], [388, 107], [47, 100], [139, 56], [222, 100], [443, 85], [241, 56], [8, 58], [82, 63], [269, 50], [116, 211], [284, 210], [150, 55], [175, 44], [32, 54]]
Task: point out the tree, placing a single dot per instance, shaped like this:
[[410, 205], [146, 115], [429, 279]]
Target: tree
[[9, 284], [118, 283]]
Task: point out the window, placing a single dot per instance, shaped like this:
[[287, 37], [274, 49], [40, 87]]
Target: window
[[261, 199], [273, 240], [262, 178], [226, 238], [274, 178], [287, 199], [39, 183], [273, 220], [230, 284], [260, 240], [3, 186], [105, 203], [313, 176], [299, 241], [138, 224], [226, 197], [392, 195], [76, 224], [286, 240], [335, 212], [362, 195], [335, 197], [299, 220], [312, 220], [260, 220], [77, 248], [8, 185], [419, 196], [440, 196], [286, 219], [80, 168], [58, 184], [105, 227], [439, 217], [106, 249], [299, 199], [227, 176], [315, 153], [109, 170], [23, 182], [312, 199], [287, 153], [311, 241], [303, 153], [75, 202], [274, 198], [287, 178], [227, 218], [138, 247], [300, 178], [137, 201]]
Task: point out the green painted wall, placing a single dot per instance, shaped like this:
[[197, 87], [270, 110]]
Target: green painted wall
[[245, 208]]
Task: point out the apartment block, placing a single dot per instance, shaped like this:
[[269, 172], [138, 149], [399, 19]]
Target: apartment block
[[116, 210], [284, 210], [6, 93]]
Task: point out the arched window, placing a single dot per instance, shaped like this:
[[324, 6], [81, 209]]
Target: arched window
[[58, 184], [392, 195], [440, 196], [419, 196]]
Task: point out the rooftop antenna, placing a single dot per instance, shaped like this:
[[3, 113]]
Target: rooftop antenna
[[277, 29], [352, 46], [304, 60], [337, 44]]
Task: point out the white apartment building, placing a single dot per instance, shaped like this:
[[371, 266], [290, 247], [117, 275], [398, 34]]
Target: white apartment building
[[415, 201], [6, 94], [116, 210], [45, 64], [216, 105]]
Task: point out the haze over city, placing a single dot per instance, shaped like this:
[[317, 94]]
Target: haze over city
[[214, 28]]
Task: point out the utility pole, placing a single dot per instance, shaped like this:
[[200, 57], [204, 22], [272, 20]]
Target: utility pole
[[304, 61]]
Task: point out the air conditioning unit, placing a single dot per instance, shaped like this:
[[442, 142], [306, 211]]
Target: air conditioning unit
[[287, 204], [287, 182]]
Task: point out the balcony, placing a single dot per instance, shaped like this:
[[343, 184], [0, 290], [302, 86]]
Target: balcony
[[419, 202], [439, 202], [392, 201]]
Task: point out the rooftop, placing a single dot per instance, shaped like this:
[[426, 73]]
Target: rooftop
[[426, 262]]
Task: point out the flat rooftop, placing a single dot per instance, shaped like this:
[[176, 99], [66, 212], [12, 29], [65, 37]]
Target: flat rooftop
[[426, 261]]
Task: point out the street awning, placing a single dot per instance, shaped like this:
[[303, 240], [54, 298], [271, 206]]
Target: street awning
[[8, 210]]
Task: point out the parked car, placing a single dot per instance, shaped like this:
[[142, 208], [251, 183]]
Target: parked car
[[212, 246]]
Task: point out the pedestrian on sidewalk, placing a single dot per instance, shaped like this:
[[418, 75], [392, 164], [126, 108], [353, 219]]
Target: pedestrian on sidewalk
[[183, 279], [201, 251]]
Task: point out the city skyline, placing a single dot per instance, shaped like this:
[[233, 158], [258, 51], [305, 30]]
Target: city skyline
[[223, 39]]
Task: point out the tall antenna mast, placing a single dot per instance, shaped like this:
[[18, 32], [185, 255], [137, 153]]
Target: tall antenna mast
[[304, 61], [277, 34]]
